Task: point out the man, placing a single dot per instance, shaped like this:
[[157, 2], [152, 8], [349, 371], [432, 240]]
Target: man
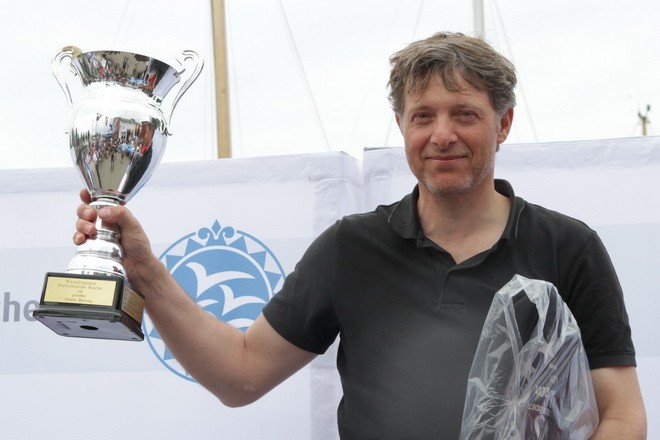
[[407, 287]]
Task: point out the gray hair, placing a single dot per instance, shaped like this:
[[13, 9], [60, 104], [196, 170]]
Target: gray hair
[[447, 54]]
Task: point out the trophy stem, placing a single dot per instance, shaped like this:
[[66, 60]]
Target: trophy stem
[[103, 231], [100, 255]]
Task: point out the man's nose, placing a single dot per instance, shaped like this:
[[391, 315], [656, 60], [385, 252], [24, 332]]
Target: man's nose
[[444, 132]]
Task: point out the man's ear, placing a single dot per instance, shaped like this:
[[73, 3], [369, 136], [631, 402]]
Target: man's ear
[[505, 125]]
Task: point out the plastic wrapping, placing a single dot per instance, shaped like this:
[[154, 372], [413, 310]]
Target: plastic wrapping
[[529, 378]]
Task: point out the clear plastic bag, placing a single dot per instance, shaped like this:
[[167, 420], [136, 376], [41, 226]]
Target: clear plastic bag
[[529, 378]]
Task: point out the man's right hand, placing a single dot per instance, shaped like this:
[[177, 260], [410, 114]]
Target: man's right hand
[[138, 258]]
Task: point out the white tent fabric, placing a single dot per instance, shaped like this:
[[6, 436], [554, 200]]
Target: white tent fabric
[[78, 387]]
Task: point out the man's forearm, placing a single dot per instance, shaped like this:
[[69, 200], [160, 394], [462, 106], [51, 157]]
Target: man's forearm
[[611, 429]]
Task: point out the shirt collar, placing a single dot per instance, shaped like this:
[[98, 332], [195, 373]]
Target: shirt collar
[[405, 220]]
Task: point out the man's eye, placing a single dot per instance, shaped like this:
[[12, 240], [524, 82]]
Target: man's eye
[[466, 115], [421, 116]]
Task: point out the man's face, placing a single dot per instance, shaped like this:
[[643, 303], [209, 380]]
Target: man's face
[[451, 137]]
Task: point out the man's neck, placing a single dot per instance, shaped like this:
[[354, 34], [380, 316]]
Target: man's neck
[[464, 224]]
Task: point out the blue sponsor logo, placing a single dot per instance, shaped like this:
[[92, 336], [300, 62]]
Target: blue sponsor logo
[[228, 272]]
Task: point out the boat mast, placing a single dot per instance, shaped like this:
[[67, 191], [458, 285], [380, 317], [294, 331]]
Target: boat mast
[[478, 17], [221, 78]]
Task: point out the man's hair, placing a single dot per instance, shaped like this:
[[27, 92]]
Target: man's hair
[[448, 55]]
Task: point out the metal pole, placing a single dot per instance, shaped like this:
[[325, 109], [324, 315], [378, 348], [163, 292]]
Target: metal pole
[[221, 78], [478, 17], [645, 120]]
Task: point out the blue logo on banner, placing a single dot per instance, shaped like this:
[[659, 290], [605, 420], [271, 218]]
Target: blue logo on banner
[[229, 273]]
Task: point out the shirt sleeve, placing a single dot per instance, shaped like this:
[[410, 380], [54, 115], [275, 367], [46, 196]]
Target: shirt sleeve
[[596, 300], [302, 311]]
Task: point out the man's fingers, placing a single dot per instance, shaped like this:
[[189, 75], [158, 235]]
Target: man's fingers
[[79, 238], [86, 212], [85, 227], [85, 197], [114, 215]]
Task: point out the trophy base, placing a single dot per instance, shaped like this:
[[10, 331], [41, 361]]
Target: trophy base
[[91, 306]]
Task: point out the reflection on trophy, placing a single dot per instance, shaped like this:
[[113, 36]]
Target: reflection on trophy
[[117, 137]]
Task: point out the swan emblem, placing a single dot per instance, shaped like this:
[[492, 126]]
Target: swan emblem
[[227, 272]]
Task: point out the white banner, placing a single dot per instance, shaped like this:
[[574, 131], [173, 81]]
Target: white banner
[[270, 209], [266, 210]]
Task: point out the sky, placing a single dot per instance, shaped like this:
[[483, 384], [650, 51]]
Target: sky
[[309, 76]]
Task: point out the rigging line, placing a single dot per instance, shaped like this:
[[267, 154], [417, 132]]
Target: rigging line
[[414, 32], [121, 27], [374, 74], [304, 74], [522, 91], [417, 19]]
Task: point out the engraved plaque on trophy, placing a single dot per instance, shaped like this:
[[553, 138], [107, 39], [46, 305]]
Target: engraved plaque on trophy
[[117, 137]]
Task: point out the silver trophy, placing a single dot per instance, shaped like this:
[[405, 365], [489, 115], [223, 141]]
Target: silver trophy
[[117, 137]]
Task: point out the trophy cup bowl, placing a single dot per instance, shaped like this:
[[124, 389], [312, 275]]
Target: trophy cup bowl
[[117, 138]]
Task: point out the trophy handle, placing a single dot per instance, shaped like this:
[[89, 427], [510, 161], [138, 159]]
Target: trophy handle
[[67, 53], [198, 65]]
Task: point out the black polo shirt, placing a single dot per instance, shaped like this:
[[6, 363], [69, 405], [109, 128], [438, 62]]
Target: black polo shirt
[[409, 317]]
